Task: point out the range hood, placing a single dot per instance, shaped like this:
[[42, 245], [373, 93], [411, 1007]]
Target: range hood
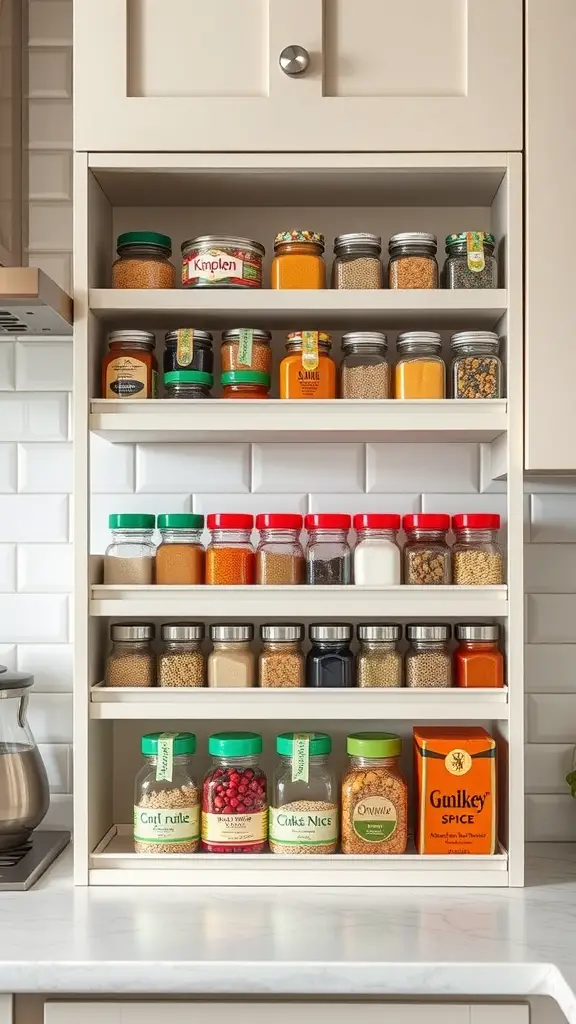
[[32, 303]]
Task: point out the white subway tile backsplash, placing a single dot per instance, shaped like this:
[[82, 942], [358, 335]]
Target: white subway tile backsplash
[[50, 73], [201, 468], [422, 467], [551, 618], [56, 757], [29, 416], [553, 519], [7, 365], [111, 467], [104, 505], [50, 664], [550, 568], [25, 517], [45, 568], [8, 469], [50, 127], [44, 366], [7, 568], [550, 668], [398, 504], [58, 266], [45, 468], [50, 717], [250, 503], [551, 717], [322, 468], [49, 225], [50, 175], [459, 502], [50, 23], [550, 818], [32, 618], [8, 656], [60, 813], [547, 765]]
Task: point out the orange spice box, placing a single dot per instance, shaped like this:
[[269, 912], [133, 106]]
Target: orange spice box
[[455, 779]]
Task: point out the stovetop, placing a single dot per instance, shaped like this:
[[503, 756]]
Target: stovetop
[[21, 868]]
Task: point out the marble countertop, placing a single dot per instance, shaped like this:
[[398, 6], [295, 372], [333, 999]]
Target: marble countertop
[[391, 942]]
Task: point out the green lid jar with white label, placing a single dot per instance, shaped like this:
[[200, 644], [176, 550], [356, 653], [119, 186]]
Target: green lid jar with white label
[[304, 814], [374, 795], [167, 795]]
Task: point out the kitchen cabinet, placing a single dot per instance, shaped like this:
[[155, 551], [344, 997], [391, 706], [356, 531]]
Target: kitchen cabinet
[[11, 17], [375, 75]]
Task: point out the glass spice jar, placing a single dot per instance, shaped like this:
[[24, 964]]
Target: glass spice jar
[[246, 348], [234, 798], [230, 558], [426, 552], [167, 796], [357, 262], [413, 260], [129, 558], [308, 370], [280, 557], [304, 813], [189, 385], [129, 368], [328, 553], [374, 795], [476, 368], [420, 370], [281, 661], [330, 662], [131, 660], [298, 260], [428, 661], [188, 349], [143, 261], [377, 555], [365, 370], [180, 553], [221, 261], [379, 662], [181, 661], [232, 662], [470, 260], [478, 662], [477, 559], [245, 384]]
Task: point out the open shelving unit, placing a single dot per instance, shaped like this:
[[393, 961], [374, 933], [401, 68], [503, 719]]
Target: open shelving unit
[[252, 195]]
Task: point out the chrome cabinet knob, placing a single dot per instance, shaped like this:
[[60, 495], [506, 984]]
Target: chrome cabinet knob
[[294, 60]]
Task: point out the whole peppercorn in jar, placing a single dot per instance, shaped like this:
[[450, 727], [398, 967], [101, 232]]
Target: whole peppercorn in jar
[[181, 661], [374, 795], [470, 260], [234, 799], [308, 371], [131, 661], [245, 384], [188, 349], [281, 662], [143, 261], [129, 369], [365, 370], [476, 368], [426, 553], [298, 261], [280, 557], [304, 812], [478, 662], [167, 796], [330, 662], [220, 261], [189, 385], [230, 558], [180, 554], [357, 262], [246, 348], [328, 553], [377, 556], [379, 662], [477, 559], [232, 662], [428, 661], [130, 556], [420, 370], [413, 260]]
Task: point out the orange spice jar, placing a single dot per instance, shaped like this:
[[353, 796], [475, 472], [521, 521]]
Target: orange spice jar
[[477, 660], [129, 369], [308, 371], [298, 261], [180, 554], [230, 557]]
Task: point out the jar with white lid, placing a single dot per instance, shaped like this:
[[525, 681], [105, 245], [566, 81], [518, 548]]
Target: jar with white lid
[[365, 370], [232, 662], [357, 261], [379, 662], [476, 368], [377, 555]]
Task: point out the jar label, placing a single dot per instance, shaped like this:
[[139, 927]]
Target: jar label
[[126, 377], [300, 756], [303, 828], [374, 819], [309, 350], [246, 335], [231, 829], [184, 346], [165, 759], [169, 825], [475, 251]]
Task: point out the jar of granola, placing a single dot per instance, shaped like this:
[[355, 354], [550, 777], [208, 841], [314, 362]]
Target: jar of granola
[[374, 795]]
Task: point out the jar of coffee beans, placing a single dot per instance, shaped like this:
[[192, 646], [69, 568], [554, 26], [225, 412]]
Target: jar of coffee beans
[[357, 262], [167, 796], [428, 660], [328, 554], [426, 552], [365, 370], [477, 559]]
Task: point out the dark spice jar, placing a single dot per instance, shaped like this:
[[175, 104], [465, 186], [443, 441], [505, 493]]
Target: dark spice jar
[[234, 800], [188, 349], [330, 662], [470, 260], [328, 554]]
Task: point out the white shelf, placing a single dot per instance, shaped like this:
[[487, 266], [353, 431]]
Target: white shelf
[[327, 309], [277, 420], [300, 602], [274, 705], [114, 863]]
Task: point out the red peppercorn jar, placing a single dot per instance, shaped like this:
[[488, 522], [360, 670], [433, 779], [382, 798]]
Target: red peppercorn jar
[[234, 795]]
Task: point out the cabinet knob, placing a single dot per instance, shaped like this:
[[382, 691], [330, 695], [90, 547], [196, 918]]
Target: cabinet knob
[[294, 60]]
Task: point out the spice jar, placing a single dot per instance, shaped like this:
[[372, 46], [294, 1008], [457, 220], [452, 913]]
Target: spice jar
[[420, 370], [365, 371], [476, 368], [167, 796], [426, 552], [246, 348], [330, 662], [232, 662], [413, 260], [230, 559], [281, 662], [280, 557], [181, 662], [298, 260], [374, 795], [477, 660], [220, 261], [304, 813], [245, 384], [477, 559], [180, 554], [428, 661], [234, 800], [143, 261], [130, 557], [328, 553], [188, 384], [129, 369], [131, 661], [379, 662], [308, 371], [470, 260], [188, 349], [377, 556], [357, 262]]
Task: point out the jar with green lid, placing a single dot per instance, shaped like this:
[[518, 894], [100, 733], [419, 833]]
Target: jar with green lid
[[129, 558], [304, 813], [234, 795], [470, 260], [143, 261], [476, 368], [188, 349], [180, 554], [245, 384], [374, 795], [166, 795]]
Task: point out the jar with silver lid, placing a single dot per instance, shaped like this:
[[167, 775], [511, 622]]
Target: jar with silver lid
[[222, 261], [232, 662], [420, 371], [429, 661], [181, 661], [330, 662], [129, 368], [246, 348], [470, 260], [281, 662], [357, 262], [413, 260], [478, 661], [379, 662], [476, 368], [365, 370], [131, 661]]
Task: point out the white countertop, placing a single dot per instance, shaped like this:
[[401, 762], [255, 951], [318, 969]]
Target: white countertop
[[392, 942]]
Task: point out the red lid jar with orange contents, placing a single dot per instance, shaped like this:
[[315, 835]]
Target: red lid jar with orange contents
[[230, 557]]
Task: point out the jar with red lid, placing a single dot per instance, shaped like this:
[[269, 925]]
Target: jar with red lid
[[280, 557], [245, 384], [328, 553], [377, 556], [477, 559], [230, 558], [426, 553], [234, 795]]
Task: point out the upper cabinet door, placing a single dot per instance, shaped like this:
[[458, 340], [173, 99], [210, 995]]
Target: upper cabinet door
[[10, 133], [380, 75]]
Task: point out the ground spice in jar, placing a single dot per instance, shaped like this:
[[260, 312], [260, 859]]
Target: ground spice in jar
[[281, 662], [143, 261], [166, 797], [276, 570], [298, 261], [230, 557], [374, 796], [280, 557], [413, 260], [181, 662], [232, 662], [246, 348], [429, 661], [131, 661], [308, 371], [180, 554]]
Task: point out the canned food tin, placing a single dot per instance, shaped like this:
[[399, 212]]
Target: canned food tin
[[219, 261]]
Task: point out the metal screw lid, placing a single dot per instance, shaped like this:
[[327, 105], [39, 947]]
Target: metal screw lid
[[358, 240], [410, 340], [421, 238], [204, 337], [428, 631], [282, 631], [379, 631], [224, 632], [182, 631], [464, 338], [215, 241], [354, 338], [331, 631], [477, 631], [132, 631], [146, 338], [257, 334]]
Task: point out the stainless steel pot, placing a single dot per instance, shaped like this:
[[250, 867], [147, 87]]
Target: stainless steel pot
[[24, 794]]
